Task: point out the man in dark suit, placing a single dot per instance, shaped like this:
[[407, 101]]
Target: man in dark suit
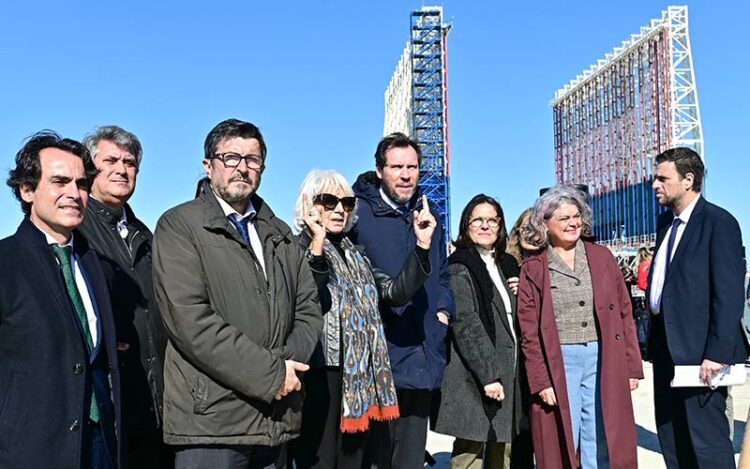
[[696, 298], [123, 243], [59, 382]]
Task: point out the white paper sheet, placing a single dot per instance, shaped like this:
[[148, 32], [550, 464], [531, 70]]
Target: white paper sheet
[[689, 376]]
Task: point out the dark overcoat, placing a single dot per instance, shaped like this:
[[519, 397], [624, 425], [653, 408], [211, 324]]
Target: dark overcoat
[[619, 360], [475, 361], [45, 366]]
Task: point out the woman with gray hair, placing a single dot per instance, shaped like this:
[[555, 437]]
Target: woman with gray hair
[[578, 340], [349, 382]]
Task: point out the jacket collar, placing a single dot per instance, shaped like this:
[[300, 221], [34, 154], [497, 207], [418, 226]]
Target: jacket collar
[[367, 187], [265, 220], [106, 214], [32, 236], [558, 265]]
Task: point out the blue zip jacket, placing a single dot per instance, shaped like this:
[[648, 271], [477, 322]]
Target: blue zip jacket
[[416, 339]]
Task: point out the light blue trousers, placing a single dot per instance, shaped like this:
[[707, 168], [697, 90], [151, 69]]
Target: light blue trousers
[[581, 362]]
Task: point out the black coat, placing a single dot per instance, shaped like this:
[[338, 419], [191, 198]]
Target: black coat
[[127, 264], [45, 369]]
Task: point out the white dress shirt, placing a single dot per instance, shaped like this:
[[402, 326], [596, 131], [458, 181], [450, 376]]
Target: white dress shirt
[[660, 260], [255, 243], [83, 289]]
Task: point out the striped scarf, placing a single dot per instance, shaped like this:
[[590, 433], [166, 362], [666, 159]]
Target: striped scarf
[[368, 391]]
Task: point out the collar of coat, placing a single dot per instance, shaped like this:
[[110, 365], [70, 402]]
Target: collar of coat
[[266, 223], [32, 236], [107, 215], [367, 189], [536, 265]]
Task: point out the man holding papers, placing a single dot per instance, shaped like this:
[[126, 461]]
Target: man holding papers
[[696, 298]]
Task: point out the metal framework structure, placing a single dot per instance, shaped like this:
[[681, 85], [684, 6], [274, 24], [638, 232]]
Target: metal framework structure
[[416, 103], [615, 117]]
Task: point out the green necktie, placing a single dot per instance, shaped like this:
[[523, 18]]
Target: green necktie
[[63, 254]]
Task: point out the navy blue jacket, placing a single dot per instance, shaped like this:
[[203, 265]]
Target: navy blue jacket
[[46, 370], [416, 339], [702, 298]]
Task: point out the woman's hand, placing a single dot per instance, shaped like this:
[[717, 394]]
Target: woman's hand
[[494, 391], [633, 384], [314, 223], [424, 224], [513, 284], [548, 396]]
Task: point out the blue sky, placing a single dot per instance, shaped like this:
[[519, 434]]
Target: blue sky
[[311, 75]]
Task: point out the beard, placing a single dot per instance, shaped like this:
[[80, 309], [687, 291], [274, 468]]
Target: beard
[[399, 200], [238, 194]]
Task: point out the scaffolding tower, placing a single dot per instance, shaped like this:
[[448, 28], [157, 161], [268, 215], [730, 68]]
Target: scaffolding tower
[[416, 103], [612, 120]]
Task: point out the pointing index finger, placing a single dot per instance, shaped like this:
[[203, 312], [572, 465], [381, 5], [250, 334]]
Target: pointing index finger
[[425, 203]]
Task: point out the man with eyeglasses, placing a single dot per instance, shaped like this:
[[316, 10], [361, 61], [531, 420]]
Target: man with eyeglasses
[[123, 243], [416, 332], [241, 310]]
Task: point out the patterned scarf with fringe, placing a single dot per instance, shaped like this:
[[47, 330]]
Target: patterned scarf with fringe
[[368, 392]]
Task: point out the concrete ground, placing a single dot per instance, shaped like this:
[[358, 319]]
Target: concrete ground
[[649, 455]]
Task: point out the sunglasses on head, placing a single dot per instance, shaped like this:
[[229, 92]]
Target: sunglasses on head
[[330, 201]]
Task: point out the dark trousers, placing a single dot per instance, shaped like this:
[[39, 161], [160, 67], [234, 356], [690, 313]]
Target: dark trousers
[[227, 457], [400, 444], [148, 451], [321, 444], [95, 453], [690, 422]]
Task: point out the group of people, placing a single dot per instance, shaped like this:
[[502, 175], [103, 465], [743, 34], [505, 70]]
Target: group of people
[[226, 340]]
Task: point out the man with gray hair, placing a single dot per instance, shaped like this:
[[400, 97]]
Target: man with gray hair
[[123, 243]]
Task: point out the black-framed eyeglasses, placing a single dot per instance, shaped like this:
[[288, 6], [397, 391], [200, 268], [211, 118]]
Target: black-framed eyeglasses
[[493, 223], [232, 160], [330, 201]]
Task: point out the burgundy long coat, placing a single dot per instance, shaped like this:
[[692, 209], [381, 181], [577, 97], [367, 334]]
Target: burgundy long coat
[[620, 359]]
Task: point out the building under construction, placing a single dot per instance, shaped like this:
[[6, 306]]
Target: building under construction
[[416, 103], [615, 117]]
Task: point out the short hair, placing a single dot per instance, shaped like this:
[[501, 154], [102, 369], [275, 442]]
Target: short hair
[[231, 128], [395, 140], [685, 161], [319, 182], [463, 241], [535, 232], [118, 136], [28, 170]]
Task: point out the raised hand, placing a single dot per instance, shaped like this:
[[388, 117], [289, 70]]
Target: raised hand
[[424, 224], [314, 223]]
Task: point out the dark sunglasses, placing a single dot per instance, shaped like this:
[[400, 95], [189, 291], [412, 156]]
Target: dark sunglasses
[[330, 201]]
